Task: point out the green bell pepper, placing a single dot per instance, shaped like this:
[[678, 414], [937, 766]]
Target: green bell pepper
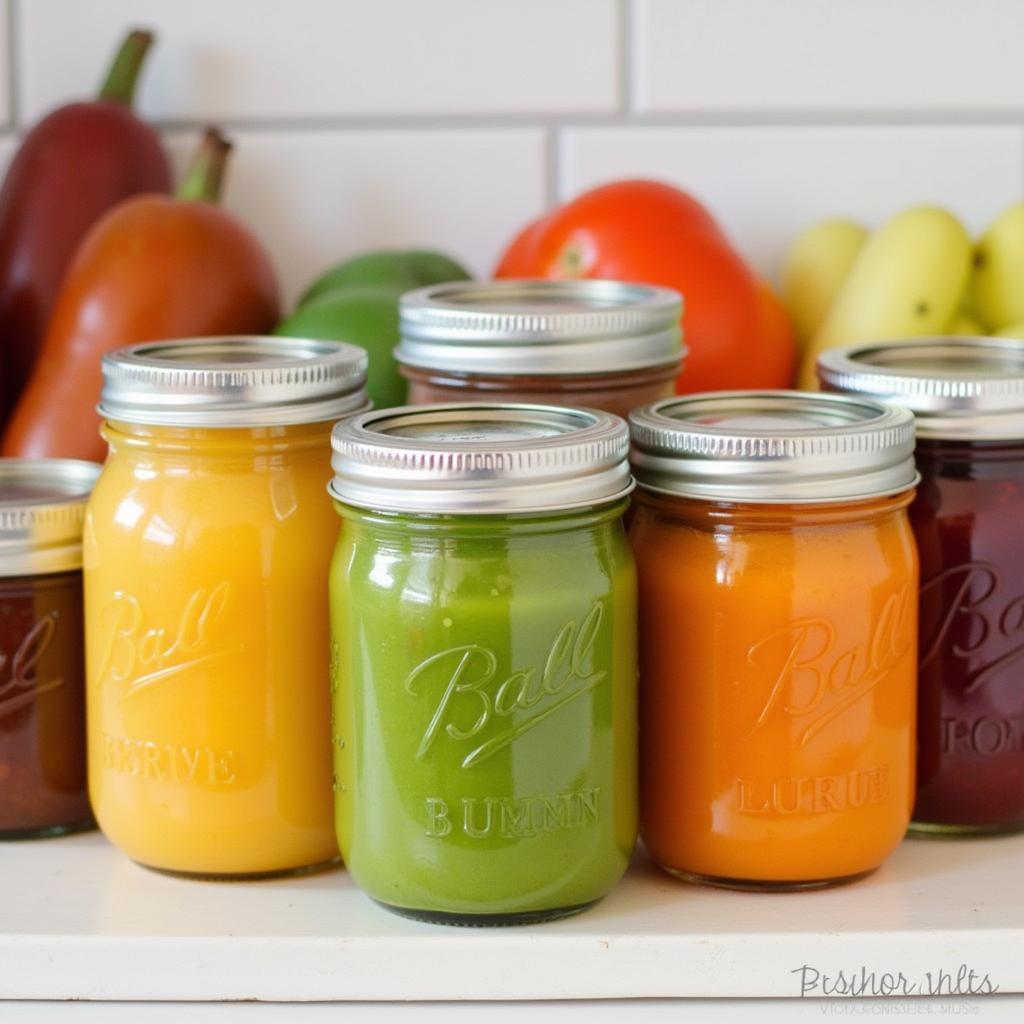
[[357, 301]]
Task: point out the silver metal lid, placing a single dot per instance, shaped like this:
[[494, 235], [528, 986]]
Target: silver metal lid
[[42, 507], [233, 382], [480, 458], [773, 447], [540, 327], [960, 389]]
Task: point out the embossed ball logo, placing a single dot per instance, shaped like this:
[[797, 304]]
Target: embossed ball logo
[[484, 705], [141, 654], [814, 679], [19, 684]]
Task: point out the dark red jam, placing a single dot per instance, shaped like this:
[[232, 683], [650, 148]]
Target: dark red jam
[[43, 787], [968, 519]]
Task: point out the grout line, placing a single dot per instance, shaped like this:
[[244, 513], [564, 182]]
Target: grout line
[[627, 58], [679, 119], [552, 166], [1020, 133], [13, 66], [738, 118]]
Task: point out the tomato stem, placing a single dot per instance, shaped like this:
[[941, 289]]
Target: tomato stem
[[119, 85], [206, 174], [572, 260]]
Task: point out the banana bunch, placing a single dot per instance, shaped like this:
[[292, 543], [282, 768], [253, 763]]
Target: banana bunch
[[919, 274], [997, 289]]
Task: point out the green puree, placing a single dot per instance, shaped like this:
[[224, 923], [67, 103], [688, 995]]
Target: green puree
[[484, 680]]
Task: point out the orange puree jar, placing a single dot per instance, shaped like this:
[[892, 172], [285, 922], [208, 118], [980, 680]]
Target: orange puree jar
[[206, 549], [778, 581]]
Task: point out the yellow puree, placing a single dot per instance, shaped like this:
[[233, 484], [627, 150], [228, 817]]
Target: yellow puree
[[206, 560]]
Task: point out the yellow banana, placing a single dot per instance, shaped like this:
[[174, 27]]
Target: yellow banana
[[907, 281], [998, 287], [965, 324], [815, 268], [1013, 331]]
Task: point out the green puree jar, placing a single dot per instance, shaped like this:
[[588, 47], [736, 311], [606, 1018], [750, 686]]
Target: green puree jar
[[483, 617]]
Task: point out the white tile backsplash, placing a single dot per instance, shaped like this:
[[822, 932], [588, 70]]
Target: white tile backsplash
[[315, 198], [448, 124], [701, 55], [5, 67], [765, 184], [280, 59], [8, 147]]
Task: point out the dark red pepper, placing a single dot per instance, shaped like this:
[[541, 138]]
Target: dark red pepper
[[71, 168]]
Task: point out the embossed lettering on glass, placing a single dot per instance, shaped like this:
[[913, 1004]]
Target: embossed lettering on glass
[[43, 788], [777, 635], [207, 547], [484, 660], [968, 398]]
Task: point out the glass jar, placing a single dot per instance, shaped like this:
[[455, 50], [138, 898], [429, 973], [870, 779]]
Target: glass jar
[[206, 555], [778, 620], [483, 611], [43, 789], [600, 344], [968, 398]]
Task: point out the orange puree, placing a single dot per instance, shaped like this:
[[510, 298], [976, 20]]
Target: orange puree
[[206, 557], [777, 686]]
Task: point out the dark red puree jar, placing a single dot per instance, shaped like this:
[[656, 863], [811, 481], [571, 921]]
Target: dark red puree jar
[[43, 789], [968, 518]]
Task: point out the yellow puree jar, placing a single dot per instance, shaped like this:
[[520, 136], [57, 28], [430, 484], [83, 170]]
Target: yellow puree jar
[[206, 551]]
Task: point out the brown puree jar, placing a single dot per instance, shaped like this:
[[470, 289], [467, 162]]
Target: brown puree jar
[[601, 344], [43, 786]]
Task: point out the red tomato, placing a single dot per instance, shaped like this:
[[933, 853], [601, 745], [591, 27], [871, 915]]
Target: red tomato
[[778, 338], [651, 232]]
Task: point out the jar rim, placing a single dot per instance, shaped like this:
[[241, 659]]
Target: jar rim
[[540, 327], [773, 447], [480, 458], [234, 381], [958, 387], [42, 511]]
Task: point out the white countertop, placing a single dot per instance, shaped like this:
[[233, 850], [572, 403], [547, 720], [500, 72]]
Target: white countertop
[[79, 921]]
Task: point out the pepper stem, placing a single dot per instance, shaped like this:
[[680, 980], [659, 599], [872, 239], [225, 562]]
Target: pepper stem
[[119, 85], [206, 174]]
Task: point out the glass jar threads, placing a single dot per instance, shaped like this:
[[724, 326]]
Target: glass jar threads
[[601, 344], [484, 660], [207, 545], [777, 578], [43, 789], [968, 397]]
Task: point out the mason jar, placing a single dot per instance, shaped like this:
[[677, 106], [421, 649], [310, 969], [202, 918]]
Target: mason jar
[[601, 344], [967, 395], [483, 612], [43, 789], [207, 545], [778, 582]]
